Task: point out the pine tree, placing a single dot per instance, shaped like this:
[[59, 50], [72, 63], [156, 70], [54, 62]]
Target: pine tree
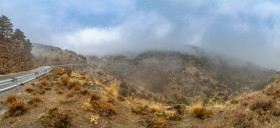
[[28, 45], [18, 35], [6, 27]]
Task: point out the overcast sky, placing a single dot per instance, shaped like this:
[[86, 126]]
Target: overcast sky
[[247, 29]]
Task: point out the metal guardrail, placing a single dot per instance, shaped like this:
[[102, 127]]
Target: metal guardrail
[[16, 79]]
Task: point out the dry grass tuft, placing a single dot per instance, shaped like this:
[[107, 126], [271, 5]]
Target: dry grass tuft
[[39, 90], [85, 92], [65, 80], [246, 97], [173, 115], [112, 89], [16, 107], [155, 123], [58, 72], [11, 98], [77, 88], [121, 98], [34, 100], [45, 82], [56, 118], [29, 88], [72, 83], [87, 78], [199, 111], [241, 120], [262, 104], [111, 99], [103, 108], [140, 109], [94, 97]]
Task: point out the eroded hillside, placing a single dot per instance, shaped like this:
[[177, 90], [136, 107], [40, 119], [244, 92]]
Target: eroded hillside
[[14, 57]]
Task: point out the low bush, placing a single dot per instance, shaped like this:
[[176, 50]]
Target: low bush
[[2, 71], [112, 89], [11, 98], [65, 80], [199, 111], [34, 100], [16, 107], [72, 83], [45, 82], [262, 104], [121, 98], [56, 118], [29, 88], [85, 92], [241, 120], [96, 104]]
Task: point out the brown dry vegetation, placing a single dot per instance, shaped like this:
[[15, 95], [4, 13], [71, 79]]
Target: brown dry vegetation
[[200, 111], [16, 106], [77, 100]]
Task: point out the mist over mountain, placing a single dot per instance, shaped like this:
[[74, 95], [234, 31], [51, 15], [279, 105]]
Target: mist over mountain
[[228, 28]]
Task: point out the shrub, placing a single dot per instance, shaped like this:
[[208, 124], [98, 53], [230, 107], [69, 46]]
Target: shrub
[[56, 119], [140, 109], [172, 115], [45, 82], [94, 97], [29, 88], [123, 85], [16, 107], [2, 71], [155, 123], [72, 83], [65, 80], [112, 89], [11, 98], [121, 98], [241, 120], [58, 71], [199, 111], [39, 90], [111, 99], [85, 92], [123, 92], [77, 88], [103, 108], [262, 104], [35, 99]]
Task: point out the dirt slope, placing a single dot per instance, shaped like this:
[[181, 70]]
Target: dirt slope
[[14, 57]]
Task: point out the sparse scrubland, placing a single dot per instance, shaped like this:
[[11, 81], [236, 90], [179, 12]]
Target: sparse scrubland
[[65, 98]]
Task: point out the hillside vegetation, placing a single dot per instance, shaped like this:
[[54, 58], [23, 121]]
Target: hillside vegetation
[[49, 55], [65, 98], [15, 48], [183, 78]]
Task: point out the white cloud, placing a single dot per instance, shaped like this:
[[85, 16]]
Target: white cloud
[[138, 28]]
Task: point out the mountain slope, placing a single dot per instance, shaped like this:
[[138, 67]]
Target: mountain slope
[[185, 77], [14, 57], [49, 55]]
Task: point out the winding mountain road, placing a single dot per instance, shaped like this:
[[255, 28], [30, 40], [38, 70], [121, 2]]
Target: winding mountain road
[[10, 81]]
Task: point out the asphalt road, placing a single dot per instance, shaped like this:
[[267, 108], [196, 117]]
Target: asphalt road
[[10, 81]]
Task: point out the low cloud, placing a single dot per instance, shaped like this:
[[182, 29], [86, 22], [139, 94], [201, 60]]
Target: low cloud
[[243, 29]]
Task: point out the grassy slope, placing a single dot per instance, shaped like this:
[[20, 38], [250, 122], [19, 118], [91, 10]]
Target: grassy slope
[[74, 99]]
